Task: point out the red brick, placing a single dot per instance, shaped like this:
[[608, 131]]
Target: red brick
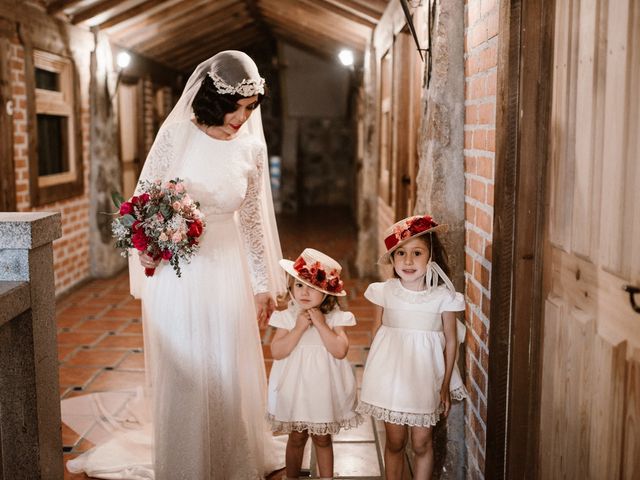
[[473, 12], [490, 195], [487, 114], [486, 303], [473, 294], [479, 139], [477, 190], [471, 114], [470, 213], [477, 34], [468, 139], [487, 6], [484, 221], [493, 25], [475, 242], [491, 141], [470, 164], [485, 167]]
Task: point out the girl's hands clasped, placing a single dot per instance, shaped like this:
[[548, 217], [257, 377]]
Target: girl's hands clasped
[[316, 317]]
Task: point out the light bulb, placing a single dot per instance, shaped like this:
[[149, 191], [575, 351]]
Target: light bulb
[[346, 57]]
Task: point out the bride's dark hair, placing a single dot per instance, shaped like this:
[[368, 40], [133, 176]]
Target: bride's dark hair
[[210, 107]]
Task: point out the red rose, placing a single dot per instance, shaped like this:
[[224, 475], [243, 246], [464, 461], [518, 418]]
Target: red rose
[[420, 224], [136, 226], [334, 285], [144, 198], [135, 200], [126, 208], [195, 229], [166, 254], [320, 275], [140, 240], [299, 264]]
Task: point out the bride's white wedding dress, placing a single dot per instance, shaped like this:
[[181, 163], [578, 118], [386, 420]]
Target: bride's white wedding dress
[[202, 344]]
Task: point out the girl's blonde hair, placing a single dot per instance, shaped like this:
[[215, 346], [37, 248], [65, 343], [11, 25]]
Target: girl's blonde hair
[[329, 303]]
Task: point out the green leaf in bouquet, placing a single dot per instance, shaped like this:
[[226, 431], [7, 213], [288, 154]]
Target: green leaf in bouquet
[[127, 220], [153, 209], [166, 211], [117, 198]]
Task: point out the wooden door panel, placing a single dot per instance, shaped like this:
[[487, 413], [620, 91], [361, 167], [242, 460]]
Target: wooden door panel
[[631, 465], [590, 381], [585, 188]]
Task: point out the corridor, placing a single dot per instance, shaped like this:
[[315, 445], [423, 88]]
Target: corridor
[[101, 347]]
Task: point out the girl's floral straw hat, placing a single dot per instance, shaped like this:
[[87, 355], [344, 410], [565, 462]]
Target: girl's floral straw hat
[[317, 270], [399, 233]]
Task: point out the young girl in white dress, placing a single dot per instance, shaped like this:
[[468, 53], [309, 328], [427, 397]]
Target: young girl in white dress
[[312, 388], [411, 374]]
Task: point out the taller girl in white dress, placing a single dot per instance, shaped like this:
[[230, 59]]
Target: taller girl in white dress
[[411, 375], [202, 344]]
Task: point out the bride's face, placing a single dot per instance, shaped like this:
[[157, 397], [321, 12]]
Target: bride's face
[[234, 120]]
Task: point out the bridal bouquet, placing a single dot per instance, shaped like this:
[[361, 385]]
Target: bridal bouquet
[[161, 221]]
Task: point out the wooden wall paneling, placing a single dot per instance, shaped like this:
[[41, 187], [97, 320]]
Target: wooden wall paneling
[[605, 434], [175, 29], [615, 228], [553, 311], [144, 8], [94, 10], [631, 452], [582, 236], [149, 25], [559, 210]]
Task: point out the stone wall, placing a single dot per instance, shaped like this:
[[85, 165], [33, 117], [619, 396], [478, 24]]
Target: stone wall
[[481, 48]]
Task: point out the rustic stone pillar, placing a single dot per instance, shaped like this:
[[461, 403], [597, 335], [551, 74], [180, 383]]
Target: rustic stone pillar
[[441, 182], [30, 440], [106, 174]]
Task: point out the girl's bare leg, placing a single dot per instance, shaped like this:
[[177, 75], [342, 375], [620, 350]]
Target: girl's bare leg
[[422, 446], [394, 450], [295, 451], [324, 454]]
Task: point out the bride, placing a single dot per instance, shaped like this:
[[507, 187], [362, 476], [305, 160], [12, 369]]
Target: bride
[[205, 371]]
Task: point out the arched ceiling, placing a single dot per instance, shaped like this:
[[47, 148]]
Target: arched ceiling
[[181, 33]]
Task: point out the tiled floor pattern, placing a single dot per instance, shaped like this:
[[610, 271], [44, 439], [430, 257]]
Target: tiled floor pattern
[[100, 341]]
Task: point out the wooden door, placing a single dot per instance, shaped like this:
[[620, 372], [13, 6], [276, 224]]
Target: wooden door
[[128, 103], [590, 380]]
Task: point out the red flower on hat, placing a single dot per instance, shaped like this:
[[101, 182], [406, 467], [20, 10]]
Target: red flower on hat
[[420, 224]]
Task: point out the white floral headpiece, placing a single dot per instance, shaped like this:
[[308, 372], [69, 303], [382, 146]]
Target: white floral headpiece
[[245, 88]]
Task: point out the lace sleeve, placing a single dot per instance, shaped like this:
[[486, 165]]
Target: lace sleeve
[[252, 229], [159, 160]]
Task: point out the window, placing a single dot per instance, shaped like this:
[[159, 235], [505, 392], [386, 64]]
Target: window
[[56, 158]]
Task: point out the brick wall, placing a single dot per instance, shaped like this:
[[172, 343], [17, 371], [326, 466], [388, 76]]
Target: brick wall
[[71, 251], [481, 48]]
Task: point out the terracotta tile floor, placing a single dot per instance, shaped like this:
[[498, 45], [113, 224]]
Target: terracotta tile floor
[[100, 340]]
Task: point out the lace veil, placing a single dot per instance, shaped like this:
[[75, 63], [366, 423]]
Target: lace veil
[[232, 72]]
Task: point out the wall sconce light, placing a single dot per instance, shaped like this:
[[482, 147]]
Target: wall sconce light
[[346, 57], [123, 59]]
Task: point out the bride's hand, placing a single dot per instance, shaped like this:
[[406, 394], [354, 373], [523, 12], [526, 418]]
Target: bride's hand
[[264, 307], [148, 262]]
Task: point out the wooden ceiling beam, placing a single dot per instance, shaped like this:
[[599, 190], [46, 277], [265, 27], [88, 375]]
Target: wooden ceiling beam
[[237, 43], [203, 24], [254, 12], [332, 7], [308, 14], [130, 13], [149, 23], [375, 11], [94, 10], [318, 33], [59, 5], [176, 47], [305, 44]]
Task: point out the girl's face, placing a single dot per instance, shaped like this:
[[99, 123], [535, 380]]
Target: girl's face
[[234, 120], [410, 260], [306, 296]]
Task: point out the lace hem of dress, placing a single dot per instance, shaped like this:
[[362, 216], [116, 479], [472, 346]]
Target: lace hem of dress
[[405, 418], [330, 428]]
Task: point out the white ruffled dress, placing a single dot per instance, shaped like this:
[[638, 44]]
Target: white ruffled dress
[[405, 367], [311, 389]]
